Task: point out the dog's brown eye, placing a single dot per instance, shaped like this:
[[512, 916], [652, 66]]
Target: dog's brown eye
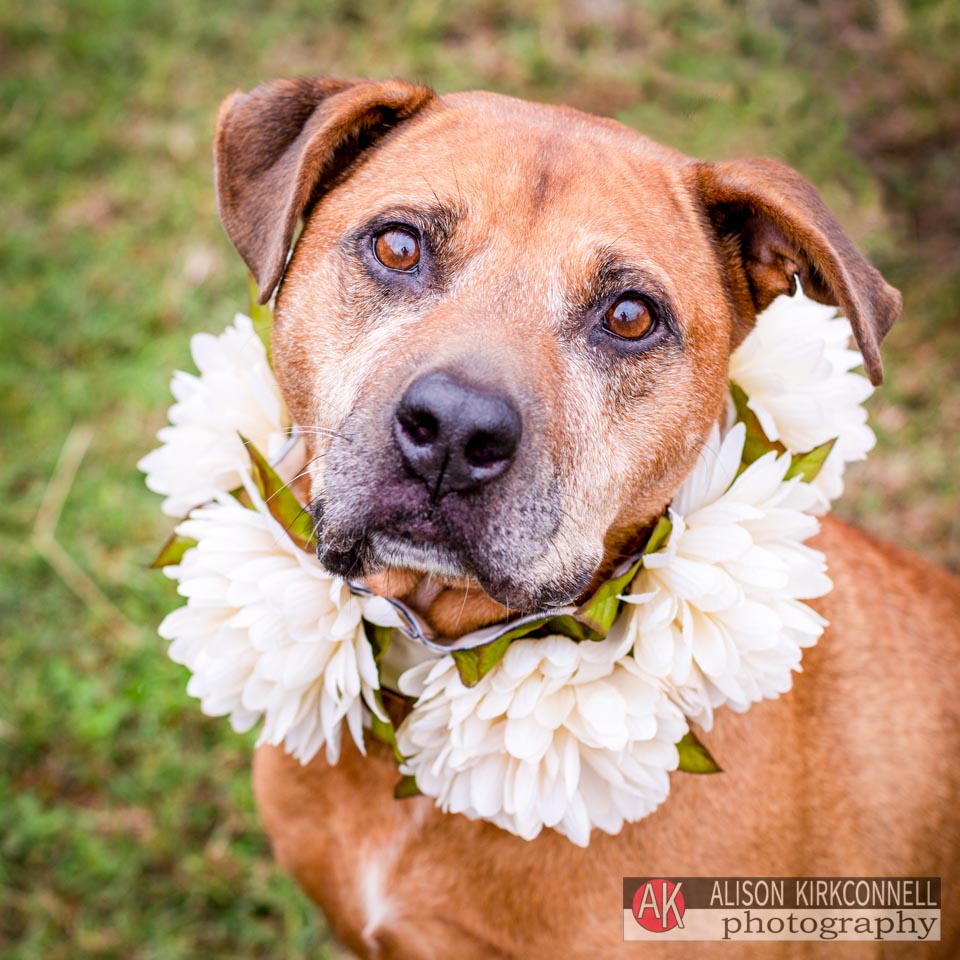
[[628, 318], [397, 249]]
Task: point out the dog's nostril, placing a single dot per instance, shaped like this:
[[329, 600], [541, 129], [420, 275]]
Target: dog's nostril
[[488, 449], [420, 426]]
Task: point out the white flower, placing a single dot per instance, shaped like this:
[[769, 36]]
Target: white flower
[[565, 735], [267, 632], [794, 367], [236, 392], [718, 612], [558, 734]]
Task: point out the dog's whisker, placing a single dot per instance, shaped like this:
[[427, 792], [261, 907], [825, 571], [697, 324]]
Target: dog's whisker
[[323, 432], [316, 431], [463, 604]]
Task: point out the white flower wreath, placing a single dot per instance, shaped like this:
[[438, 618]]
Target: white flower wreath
[[571, 719]]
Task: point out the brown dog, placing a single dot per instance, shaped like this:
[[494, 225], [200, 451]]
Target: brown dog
[[507, 328]]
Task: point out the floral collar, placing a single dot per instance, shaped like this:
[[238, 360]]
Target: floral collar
[[571, 719]]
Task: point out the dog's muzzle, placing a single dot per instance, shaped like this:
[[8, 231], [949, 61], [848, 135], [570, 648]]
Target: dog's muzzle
[[449, 477]]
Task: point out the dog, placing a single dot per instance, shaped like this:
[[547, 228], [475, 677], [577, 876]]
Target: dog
[[507, 327]]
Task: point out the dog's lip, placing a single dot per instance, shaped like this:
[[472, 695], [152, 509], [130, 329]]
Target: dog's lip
[[430, 556]]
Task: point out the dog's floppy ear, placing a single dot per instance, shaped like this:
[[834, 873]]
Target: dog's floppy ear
[[771, 226], [279, 147]]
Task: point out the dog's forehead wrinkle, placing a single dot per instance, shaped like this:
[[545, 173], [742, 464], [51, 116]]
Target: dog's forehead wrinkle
[[529, 151]]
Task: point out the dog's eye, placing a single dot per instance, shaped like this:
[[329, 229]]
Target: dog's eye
[[397, 249], [628, 318]]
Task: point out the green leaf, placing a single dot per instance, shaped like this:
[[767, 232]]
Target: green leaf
[[569, 626], [383, 730], [695, 757], [171, 553], [807, 465], [380, 639], [756, 443], [468, 666], [406, 787], [522, 631], [281, 501], [260, 314], [476, 663], [659, 536], [600, 611]]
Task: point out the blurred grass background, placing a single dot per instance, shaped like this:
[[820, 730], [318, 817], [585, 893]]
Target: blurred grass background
[[127, 827]]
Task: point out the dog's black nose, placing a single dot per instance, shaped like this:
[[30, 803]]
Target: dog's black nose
[[455, 436]]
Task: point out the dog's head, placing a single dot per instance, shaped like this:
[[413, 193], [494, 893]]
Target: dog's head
[[505, 327]]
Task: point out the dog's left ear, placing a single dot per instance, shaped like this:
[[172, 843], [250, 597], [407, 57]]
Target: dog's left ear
[[281, 146], [771, 226]]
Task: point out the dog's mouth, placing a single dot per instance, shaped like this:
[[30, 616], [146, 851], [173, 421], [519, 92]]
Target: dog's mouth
[[430, 556], [425, 544], [417, 543]]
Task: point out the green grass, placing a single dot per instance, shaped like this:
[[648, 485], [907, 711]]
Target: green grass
[[127, 827]]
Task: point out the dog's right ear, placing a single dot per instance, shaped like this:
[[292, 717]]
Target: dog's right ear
[[281, 146], [772, 227]]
